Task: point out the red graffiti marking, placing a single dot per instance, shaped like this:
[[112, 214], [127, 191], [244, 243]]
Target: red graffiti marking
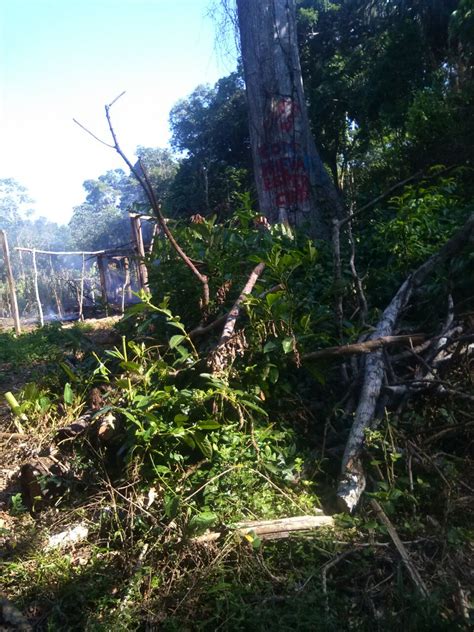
[[284, 173], [287, 110]]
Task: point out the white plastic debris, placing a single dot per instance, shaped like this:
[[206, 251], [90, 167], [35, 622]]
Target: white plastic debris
[[70, 536]]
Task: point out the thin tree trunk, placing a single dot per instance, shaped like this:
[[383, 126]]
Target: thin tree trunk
[[11, 282], [292, 183]]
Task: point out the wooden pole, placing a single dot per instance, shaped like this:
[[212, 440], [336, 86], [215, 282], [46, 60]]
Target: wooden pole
[[140, 248], [81, 294], [103, 283], [155, 233], [128, 280], [11, 282], [53, 283], [38, 300], [126, 287]]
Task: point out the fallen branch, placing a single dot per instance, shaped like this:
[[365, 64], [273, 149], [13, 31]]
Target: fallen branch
[[235, 311], [13, 435], [352, 481], [271, 529], [219, 357], [412, 570], [202, 330], [363, 347]]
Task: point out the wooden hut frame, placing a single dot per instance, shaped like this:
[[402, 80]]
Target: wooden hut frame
[[124, 256]]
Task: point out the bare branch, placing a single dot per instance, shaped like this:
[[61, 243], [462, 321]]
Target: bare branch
[[412, 570], [93, 135], [116, 99], [235, 311], [363, 347], [144, 182]]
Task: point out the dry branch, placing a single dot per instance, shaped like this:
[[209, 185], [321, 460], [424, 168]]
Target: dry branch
[[352, 482], [202, 330], [271, 529], [363, 347], [235, 311], [145, 184], [221, 354], [414, 574]]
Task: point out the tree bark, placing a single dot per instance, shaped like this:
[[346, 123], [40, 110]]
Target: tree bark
[[292, 183]]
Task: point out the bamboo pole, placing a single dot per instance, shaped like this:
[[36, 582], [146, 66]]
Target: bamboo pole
[[11, 282], [126, 287], [103, 283], [91, 253], [35, 278], [81, 294]]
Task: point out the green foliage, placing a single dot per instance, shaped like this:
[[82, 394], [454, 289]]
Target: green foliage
[[424, 217], [211, 128], [44, 345]]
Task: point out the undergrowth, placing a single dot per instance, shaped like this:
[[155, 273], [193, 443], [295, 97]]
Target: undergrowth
[[172, 450]]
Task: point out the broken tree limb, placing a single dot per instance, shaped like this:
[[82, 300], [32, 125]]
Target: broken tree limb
[[363, 347], [235, 311], [271, 529], [352, 482], [205, 329], [412, 570], [229, 343]]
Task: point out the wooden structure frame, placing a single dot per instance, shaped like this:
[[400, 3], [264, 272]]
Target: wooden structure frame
[[123, 255]]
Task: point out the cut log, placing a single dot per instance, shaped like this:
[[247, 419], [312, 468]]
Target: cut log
[[352, 481], [271, 529]]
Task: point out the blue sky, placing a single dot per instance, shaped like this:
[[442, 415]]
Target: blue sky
[[61, 59]]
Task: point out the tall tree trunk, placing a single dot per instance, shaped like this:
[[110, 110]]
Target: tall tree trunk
[[292, 183]]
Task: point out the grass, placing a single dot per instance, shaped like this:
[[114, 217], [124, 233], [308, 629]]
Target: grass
[[41, 345]]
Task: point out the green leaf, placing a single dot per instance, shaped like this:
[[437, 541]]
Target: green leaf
[[68, 394], [253, 406], [133, 367], [271, 345], [209, 425], [273, 297], [287, 344], [180, 418], [176, 340], [177, 324], [171, 505], [203, 444], [202, 521]]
